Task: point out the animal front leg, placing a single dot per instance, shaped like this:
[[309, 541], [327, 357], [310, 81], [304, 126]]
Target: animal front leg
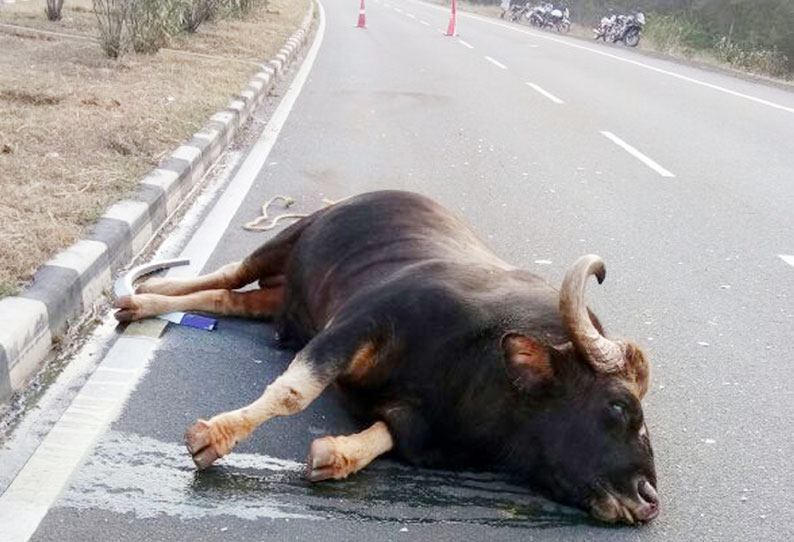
[[339, 457], [294, 390]]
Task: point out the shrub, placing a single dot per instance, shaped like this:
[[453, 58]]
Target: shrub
[[195, 12], [53, 10], [237, 8], [110, 16], [760, 60], [148, 23]]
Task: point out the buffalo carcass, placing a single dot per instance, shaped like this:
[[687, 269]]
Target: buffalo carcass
[[457, 358]]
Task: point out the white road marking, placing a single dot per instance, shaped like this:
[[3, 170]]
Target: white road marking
[[466, 44], [398, 10], [547, 94], [410, 15], [39, 483], [495, 62], [637, 154], [788, 259], [532, 46], [622, 59], [424, 23]]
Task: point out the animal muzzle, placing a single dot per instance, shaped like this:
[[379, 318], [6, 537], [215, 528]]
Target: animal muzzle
[[639, 505]]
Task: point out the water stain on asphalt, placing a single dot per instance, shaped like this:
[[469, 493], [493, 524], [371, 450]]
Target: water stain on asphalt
[[129, 473]]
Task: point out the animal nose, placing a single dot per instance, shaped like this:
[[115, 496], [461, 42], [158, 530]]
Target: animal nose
[[649, 508]]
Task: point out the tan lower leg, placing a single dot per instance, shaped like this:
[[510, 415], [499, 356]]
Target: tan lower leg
[[290, 393], [227, 278], [339, 457], [253, 303]]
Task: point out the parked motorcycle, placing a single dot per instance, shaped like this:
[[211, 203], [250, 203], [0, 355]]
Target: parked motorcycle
[[625, 28], [547, 15], [519, 12]]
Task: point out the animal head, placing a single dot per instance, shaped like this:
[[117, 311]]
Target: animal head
[[580, 433]]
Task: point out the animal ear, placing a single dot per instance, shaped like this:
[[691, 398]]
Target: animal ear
[[527, 361]]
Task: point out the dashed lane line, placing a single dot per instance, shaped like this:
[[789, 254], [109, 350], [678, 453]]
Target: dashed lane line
[[545, 93], [495, 62], [424, 23], [638, 155], [787, 258], [466, 44]]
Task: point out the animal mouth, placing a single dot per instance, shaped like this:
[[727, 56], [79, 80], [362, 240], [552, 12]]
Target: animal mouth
[[640, 505]]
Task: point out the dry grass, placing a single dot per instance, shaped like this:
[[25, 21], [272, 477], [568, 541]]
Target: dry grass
[[77, 131]]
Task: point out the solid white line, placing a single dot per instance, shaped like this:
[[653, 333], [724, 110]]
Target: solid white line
[[788, 259], [495, 62], [622, 59], [209, 233], [465, 44], [547, 94], [37, 485], [637, 154], [35, 488]]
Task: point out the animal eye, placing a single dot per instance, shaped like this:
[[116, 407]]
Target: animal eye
[[620, 408]]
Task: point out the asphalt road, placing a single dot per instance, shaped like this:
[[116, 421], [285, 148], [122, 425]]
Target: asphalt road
[[692, 241]]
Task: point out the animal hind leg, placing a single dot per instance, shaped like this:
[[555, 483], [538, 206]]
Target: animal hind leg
[[261, 303], [266, 263], [229, 277], [339, 457]]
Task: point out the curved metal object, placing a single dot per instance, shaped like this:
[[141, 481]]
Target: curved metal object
[[124, 284]]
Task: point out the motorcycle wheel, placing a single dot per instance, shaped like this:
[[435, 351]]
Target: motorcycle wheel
[[564, 26], [632, 38]]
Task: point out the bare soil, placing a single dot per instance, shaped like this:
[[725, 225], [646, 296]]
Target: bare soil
[[78, 130]]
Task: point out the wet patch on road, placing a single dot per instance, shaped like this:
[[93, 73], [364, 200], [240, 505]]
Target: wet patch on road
[[129, 473]]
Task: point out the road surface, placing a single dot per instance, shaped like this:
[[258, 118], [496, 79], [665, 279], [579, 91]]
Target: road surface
[[551, 147]]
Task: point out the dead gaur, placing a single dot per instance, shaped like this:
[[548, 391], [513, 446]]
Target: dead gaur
[[456, 358]]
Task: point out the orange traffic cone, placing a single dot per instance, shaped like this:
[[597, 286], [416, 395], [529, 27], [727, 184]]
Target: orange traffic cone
[[362, 18], [451, 27]]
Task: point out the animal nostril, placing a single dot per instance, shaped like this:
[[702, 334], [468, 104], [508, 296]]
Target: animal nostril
[[647, 492]]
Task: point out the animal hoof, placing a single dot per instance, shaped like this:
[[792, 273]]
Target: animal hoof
[[324, 461], [200, 443], [127, 309]]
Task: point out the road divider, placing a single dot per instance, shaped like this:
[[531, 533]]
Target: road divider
[[545, 93], [638, 155]]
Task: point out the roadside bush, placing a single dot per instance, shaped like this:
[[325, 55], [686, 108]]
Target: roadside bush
[[196, 12], [149, 22], [53, 10], [672, 34], [110, 17], [765, 61], [236, 8]]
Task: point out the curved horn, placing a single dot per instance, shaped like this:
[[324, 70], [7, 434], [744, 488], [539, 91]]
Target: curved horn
[[602, 354]]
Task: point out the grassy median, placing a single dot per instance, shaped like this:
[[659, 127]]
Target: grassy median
[[78, 130]]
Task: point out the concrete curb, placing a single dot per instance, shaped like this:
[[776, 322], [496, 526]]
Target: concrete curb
[[67, 286]]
